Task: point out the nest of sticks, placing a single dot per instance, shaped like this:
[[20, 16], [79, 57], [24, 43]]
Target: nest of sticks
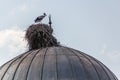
[[40, 36]]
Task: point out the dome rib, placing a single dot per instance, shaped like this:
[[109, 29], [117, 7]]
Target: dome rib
[[56, 64], [89, 58], [25, 55], [79, 57], [63, 66], [49, 69], [98, 63], [91, 64], [105, 69], [102, 67], [10, 63], [69, 61], [82, 66], [36, 66], [5, 68], [43, 62], [31, 63]]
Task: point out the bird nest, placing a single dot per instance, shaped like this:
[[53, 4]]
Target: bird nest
[[40, 36]]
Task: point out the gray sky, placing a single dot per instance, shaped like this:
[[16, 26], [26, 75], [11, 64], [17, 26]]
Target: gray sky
[[91, 26]]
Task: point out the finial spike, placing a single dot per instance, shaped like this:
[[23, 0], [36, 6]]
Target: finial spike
[[50, 22]]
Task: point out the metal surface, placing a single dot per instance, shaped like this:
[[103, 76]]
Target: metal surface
[[55, 63]]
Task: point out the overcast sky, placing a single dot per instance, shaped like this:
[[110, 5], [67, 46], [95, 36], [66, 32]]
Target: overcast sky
[[91, 26]]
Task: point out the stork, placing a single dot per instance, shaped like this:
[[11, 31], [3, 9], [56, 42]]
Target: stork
[[40, 18]]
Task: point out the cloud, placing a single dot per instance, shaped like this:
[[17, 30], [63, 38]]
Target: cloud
[[12, 40]]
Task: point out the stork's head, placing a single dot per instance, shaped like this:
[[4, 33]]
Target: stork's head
[[44, 14]]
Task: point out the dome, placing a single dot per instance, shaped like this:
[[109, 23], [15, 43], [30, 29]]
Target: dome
[[55, 63]]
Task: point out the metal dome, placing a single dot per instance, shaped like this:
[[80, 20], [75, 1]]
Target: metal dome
[[55, 63]]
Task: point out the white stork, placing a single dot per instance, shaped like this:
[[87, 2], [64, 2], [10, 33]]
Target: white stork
[[40, 18]]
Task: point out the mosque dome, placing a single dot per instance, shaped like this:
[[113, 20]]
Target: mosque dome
[[55, 63], [47, 60]]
